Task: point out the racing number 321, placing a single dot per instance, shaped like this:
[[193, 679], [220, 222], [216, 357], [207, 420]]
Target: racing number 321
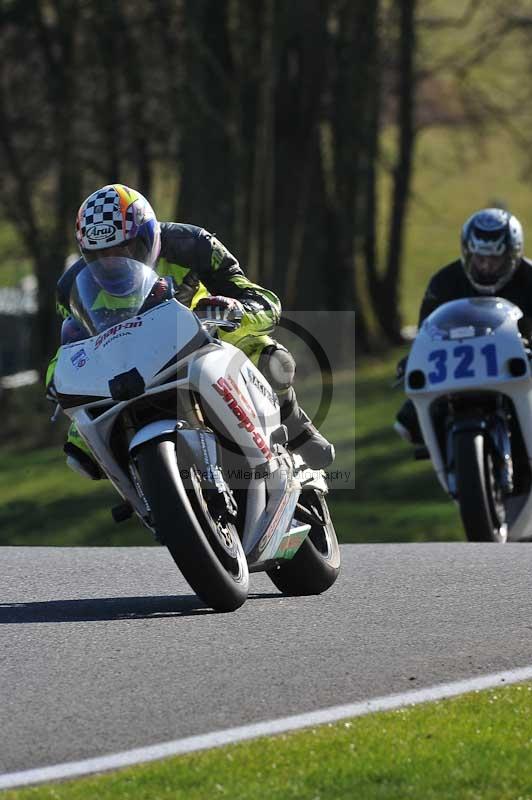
[[464, 356]]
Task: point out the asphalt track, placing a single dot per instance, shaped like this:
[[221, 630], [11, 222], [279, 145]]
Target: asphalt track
[[107, 649]]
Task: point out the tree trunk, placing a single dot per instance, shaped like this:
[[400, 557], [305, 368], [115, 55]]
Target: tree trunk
[[389, 315], [298, 179], [238, 114], [346, 95], [58, 41], [261, 228], [372, 128], [106, 19], [206, 191]]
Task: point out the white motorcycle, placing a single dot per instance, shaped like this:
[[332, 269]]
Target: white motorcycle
[[468, 375], [189, 433]]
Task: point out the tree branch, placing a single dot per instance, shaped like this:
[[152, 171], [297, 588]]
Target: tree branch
[[452, 22]]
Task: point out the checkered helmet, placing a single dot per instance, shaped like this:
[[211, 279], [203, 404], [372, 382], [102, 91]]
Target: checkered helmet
[[120, 218]]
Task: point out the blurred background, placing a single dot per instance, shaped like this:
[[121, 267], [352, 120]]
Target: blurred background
[[335, 146]]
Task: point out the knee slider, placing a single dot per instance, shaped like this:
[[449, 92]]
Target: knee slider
[[278, 367]]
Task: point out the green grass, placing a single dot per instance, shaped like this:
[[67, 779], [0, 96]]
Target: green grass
[[389, 483], [43, 502], [458, 167], [455, 176], [476, 747]]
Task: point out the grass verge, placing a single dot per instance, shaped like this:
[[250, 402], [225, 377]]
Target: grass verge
[[43, 502], [476, 747]]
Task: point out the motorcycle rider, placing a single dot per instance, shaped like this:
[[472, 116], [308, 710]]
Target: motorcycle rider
[[116, 220], [491, 264]]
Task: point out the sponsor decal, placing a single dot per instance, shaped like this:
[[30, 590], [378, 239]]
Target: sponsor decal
[[79, 359], [264, 390], [242, 397], [291, 544], [272, 527], [118, 335], [122, 326], [224, 390], [103, 230]]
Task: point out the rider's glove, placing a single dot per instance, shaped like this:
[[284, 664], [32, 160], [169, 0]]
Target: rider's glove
[[163, 289], [220, 309], [51, 392]]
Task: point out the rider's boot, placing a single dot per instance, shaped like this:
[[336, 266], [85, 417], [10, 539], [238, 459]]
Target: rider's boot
[[406, 424], [79, 457], [303, 437]]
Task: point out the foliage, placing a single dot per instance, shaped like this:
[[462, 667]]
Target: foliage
[[298, 143], [253, 118]]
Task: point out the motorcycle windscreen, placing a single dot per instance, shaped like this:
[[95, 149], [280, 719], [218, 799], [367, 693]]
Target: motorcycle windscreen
[[109, 291], [473, 316]]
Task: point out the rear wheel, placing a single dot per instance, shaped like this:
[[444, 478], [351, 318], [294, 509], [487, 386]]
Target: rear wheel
[[479, 495], [316, 565], [204, 545]]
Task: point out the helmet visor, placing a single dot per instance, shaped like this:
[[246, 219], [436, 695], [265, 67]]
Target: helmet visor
[[135, 249], [488, 270], [110, 290]]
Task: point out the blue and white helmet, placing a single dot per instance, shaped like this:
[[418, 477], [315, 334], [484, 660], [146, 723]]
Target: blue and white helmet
[[492, 247]]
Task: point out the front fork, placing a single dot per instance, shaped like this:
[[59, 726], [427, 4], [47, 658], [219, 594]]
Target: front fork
[[496, 428]]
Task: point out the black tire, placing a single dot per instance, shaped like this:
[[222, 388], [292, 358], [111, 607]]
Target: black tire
[[208, 552], [479, 496], [316, 565]]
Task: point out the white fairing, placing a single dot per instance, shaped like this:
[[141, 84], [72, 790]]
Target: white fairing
[[145, 342], [239, 395], [171, 351], [465, 362]]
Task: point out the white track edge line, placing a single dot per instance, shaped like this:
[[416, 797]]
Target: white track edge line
[[191, 744]]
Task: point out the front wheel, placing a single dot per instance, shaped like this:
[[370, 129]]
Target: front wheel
[[316, 565], [479, 495], [205, 546]]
